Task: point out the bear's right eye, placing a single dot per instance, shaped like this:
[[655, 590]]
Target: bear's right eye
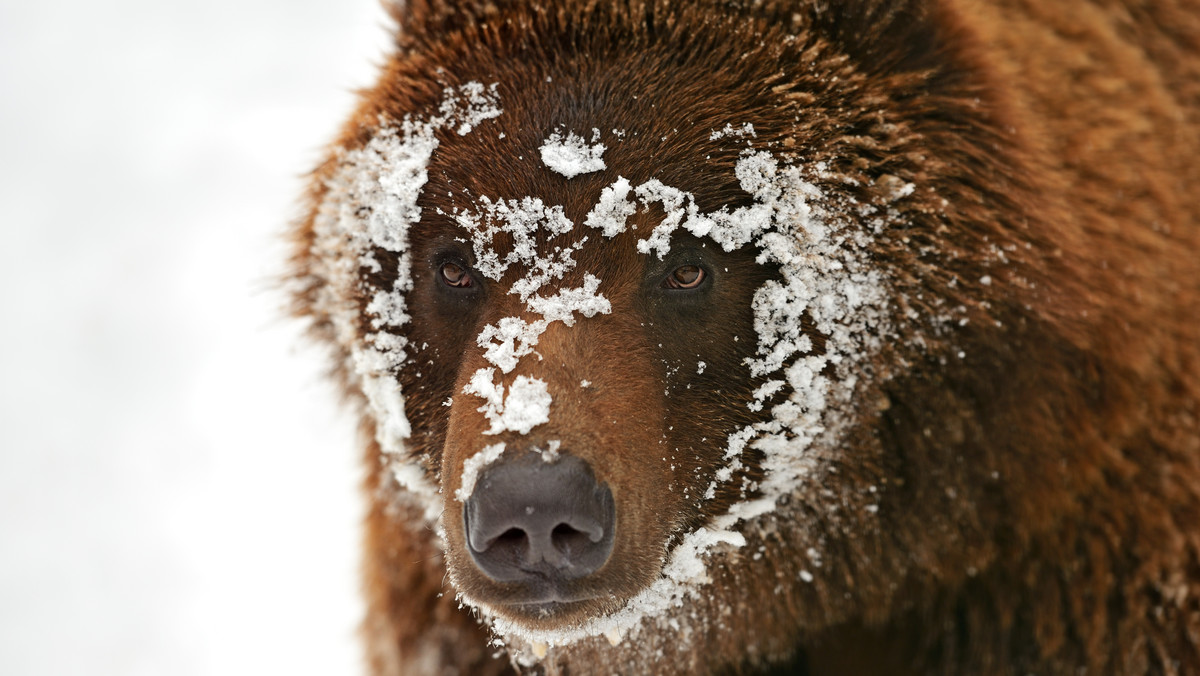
[[455, 275]]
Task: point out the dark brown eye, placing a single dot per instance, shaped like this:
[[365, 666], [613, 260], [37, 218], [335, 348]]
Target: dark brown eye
[[685, 277], [455, 275]]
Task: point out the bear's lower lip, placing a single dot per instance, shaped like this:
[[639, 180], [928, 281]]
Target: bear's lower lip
[[546, 592], [544, 610]]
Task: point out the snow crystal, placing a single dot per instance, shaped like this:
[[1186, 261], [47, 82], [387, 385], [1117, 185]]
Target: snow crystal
[[526, 405], [672, 201], [522, 219], [893, 188], [511, 338], [572, 156], [473, 466], [729, 131], [550, 452], [562, 306], [508, 340], [480, 106], [613, 209]]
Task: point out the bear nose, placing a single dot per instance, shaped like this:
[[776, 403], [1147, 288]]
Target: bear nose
[[528, 519]]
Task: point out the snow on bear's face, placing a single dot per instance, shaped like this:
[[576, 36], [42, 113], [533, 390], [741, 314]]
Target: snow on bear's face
[[591, 377]]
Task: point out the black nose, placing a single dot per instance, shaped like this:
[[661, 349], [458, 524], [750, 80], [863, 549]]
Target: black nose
[[530, 519]]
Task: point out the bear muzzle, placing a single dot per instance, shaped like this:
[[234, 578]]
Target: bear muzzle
[[540, 524]]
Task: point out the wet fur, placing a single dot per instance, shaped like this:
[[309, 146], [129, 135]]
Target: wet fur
[[1038, 496]]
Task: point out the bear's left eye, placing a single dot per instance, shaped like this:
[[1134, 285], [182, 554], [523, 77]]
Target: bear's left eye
[[685, 277]]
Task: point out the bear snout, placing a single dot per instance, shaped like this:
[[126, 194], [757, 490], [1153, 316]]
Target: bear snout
[[539, 523]]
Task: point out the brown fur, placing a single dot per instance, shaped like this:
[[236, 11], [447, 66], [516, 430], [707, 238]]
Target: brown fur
[[1039, 495]]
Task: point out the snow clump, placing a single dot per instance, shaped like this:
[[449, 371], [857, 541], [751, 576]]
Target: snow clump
[[526, 405], [473, 466], [371, 202], [524, 221], [730, 131], [572, 156]]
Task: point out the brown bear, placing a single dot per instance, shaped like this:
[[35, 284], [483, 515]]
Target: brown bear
[[806, 337]]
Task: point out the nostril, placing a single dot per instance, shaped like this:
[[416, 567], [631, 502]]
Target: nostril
[[511, 547], [510, 536], [563, 531], [567, 540]]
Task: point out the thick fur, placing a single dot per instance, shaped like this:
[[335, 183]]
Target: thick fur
[[1031, 438]]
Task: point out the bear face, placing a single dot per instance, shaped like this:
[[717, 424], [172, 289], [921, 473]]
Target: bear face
[[751, 336], [618, 328], [643, 439]]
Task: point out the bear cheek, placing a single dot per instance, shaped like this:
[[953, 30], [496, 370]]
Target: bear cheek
[[607, 415]]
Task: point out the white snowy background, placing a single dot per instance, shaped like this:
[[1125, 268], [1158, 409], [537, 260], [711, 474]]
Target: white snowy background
[[177, 486]]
